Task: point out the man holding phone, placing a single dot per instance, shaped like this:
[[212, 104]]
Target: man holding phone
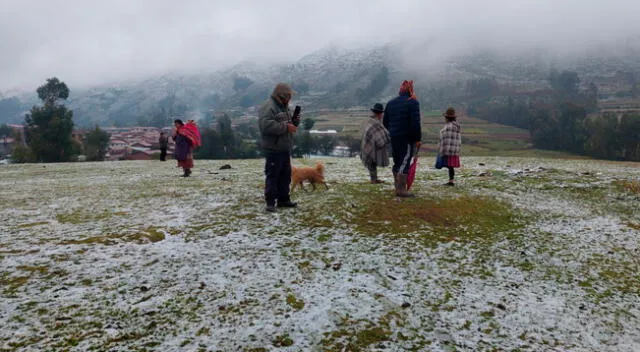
[[277, 127]]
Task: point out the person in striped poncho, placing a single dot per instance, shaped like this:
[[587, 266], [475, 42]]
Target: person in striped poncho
[[375, 144], [450, 145]]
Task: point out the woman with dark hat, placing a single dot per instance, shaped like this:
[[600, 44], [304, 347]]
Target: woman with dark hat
[[375, 144], [450, 145]]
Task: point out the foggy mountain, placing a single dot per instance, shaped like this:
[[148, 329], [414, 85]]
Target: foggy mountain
[[338, 77]]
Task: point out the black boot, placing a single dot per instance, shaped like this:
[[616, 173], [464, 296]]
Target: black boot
[[373, 176], [287, 204]]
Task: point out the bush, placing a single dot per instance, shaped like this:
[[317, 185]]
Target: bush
[[22, 154]]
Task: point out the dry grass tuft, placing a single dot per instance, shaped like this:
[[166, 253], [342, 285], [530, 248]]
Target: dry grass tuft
[[631, 186]]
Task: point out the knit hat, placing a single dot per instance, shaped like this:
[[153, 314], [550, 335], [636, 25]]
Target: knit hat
[[407, 88]]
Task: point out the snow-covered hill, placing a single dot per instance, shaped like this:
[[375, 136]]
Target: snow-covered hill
[[334, 75]]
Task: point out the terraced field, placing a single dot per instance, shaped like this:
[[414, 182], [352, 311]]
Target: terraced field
[[480, 137]]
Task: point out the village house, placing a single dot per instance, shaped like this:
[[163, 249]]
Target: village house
[[136, 143], [6, 145], [117, 145]]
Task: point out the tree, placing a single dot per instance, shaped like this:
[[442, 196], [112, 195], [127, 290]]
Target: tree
[[326, 144], [566, 81], [5, 131], [572, 134], [630, 136], [248, 130], [603, 136], [211, 147], [241, 83], [482, 87], [305, 144], [544, 130], [353, 144], [308, 123], [22, 154], [49, 126], [592, 97], [53, 91], [227, 136], [96, 144]]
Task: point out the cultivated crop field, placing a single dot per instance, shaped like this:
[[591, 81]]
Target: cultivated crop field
[[480, 137], [525, 254]]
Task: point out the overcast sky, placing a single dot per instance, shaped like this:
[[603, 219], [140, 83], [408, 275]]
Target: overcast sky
[[90, 42]]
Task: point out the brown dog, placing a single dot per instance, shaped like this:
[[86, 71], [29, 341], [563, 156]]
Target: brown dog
[[312, 174]]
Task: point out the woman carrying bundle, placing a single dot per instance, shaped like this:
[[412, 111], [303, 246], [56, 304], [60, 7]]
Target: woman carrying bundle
[[187, 137]]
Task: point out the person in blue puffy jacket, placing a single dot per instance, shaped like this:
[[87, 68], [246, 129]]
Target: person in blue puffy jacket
[[402, 120]]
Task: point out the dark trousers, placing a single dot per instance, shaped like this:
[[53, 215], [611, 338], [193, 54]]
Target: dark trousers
[[403, 151], [373, 171], [163, 154], [452, 173], [277, 170]]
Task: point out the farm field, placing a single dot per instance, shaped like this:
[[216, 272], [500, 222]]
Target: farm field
[[480, 138]]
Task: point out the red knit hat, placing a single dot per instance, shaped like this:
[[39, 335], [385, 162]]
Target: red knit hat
[[407, 87]]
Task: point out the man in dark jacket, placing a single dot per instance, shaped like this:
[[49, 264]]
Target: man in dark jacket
[[164, 144], [277, 129], [402, 120]]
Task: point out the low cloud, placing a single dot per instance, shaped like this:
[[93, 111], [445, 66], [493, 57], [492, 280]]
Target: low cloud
[[95, 42]]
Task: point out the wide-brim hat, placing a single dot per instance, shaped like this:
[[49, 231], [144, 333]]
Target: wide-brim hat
[[451, 113], [377, 108]]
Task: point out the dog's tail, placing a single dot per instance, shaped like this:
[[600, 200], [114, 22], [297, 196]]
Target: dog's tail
[[320, 168]]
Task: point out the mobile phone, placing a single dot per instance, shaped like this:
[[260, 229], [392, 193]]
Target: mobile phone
[[296, 115]]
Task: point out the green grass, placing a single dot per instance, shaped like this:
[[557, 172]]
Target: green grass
[[82, 216], [360, 335], [32, 224], [294, 302], [429, 220], [148, 235]]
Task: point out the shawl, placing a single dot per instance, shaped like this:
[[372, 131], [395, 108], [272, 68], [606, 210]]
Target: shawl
[[375, 142], [191, 132], [450, 139]]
